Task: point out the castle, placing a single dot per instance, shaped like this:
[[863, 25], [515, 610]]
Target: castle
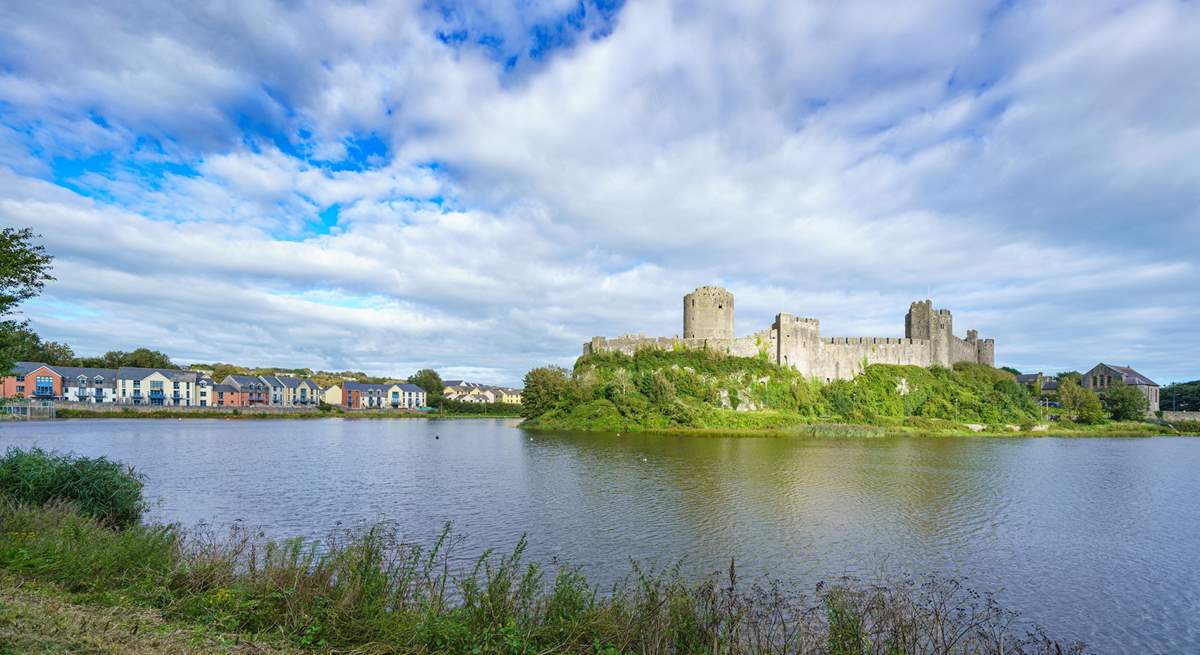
[[796, 341]]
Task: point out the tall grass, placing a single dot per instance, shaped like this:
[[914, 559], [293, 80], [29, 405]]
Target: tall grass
[[98, 487], [368, 590]]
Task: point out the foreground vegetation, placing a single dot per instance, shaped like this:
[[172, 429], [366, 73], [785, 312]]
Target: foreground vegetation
[[368, 590], [707, 391]]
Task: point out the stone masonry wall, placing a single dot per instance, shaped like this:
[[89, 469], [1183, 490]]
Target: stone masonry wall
[[796, 341]]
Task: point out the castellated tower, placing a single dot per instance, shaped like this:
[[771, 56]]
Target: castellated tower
[[708, 314], [936, 325]]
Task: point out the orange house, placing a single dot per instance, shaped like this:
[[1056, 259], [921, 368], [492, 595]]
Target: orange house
[[32, 380], [227, 395]]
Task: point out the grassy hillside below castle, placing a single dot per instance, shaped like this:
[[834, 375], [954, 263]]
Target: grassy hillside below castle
[[701, 390]]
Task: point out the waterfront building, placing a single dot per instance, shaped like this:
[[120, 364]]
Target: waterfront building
[[363, 395], [407, 396], [226, 395], [332, 395], [1103, 376], [252, 388], [158, 386], [33, 380], [88, 385]]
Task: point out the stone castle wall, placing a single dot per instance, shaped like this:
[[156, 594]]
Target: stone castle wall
[[796, 341]]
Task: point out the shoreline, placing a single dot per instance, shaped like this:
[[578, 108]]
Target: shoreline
[[1131, 429]]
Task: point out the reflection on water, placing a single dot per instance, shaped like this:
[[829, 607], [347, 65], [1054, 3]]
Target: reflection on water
[[1096, 539]]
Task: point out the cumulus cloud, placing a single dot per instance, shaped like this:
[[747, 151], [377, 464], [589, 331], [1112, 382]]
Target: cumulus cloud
[[391, 186]]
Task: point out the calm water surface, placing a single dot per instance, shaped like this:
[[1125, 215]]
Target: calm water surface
[[1094, 539]]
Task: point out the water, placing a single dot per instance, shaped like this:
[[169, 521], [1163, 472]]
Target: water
[[1094, 539]]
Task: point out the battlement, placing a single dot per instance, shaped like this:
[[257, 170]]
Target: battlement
[[873, 341], [795, 341]]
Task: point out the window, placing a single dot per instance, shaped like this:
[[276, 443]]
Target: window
[[20, 378]]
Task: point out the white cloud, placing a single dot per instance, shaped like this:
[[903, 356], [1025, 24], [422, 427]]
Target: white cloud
[[1025, 163]]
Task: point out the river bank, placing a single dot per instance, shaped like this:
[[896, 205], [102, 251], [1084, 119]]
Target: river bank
[[895, 429], [372, 590]]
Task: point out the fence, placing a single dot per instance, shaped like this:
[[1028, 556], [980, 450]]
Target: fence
[[28, 409]]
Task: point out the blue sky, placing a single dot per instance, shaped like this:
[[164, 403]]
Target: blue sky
[[481, 187]]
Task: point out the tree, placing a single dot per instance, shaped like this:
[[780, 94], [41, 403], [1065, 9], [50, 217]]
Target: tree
[[1125, 402], [24, 271], [1181, 396], [1070, 375], [429, 380], [544, 388], [1010, 370], [1079, 404]]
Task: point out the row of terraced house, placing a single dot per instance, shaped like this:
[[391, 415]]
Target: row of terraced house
[[155, 386]]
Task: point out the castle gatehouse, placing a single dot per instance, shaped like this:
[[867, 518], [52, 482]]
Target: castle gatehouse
[[796, 341]]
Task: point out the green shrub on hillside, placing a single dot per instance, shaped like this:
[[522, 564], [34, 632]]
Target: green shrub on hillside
[[659, 389], [97, 487]]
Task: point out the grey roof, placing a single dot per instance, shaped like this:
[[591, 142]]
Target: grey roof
[[243, 379], [1050, 384], [365, 386], [453, 383], [411, 387], [172, 374], [1028, 378], [109, 375], [1130, 376], [22, 368], [227, 388], [289, 382]]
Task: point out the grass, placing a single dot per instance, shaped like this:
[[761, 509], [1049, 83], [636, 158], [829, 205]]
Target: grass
[[368, 590], [42, 619], [97, 487]]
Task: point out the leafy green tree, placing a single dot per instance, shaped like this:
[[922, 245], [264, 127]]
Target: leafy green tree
[[1010, 370], [1079, 404], [1070, 375], [544, 388], [24, 345], [429, 380], [1125, 402], [1181, 396], [24, 271]]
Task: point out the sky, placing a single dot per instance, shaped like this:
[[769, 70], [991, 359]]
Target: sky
[[480, 187]]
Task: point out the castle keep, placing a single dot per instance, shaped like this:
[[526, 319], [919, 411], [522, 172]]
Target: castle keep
[[796, 341]]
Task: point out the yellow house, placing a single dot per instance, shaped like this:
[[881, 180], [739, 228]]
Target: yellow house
[[508, 396], [333, 395]]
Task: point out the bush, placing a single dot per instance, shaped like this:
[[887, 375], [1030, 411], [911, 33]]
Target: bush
[[98, 487]]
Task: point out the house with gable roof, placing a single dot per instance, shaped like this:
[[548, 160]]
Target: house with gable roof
[[1103, 376]]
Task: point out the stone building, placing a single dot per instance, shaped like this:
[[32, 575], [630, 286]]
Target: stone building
[[1104, 376], [795, 341]]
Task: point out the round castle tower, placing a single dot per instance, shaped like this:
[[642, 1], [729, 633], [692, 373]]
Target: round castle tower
[[708, 314]]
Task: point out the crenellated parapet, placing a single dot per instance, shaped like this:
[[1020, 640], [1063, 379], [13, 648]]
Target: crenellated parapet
[[796, 341]]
